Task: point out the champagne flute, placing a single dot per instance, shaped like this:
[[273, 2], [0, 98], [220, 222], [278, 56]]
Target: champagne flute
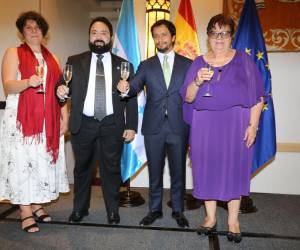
[[67, 75], [39, 70], [125, 70], [210, 71]]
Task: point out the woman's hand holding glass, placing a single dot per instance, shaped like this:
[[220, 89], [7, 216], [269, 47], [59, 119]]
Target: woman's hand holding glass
[[34, 81], [203, 74], [207, 74], [39, 71]]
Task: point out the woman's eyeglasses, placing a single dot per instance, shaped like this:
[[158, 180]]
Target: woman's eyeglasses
[[216, 35]]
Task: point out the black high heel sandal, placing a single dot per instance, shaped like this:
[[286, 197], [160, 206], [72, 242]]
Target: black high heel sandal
[[41, 218], [33, 225], [235, 237], [207, 230]]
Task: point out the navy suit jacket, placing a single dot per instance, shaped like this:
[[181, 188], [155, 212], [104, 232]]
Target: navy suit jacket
[[161, 100]]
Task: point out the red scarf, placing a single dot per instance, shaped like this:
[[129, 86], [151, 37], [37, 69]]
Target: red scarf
[[32, 110]]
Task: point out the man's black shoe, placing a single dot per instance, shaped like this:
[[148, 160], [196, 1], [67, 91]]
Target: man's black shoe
[[113, 218], [150, 218], [180, 219], [77, 217]]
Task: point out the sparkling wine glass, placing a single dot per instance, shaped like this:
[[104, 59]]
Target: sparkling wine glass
[[39, 71], [210, 69], [125, 70], [67, 75]]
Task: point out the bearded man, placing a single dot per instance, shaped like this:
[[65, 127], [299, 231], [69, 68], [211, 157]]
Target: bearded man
[[97, 120]]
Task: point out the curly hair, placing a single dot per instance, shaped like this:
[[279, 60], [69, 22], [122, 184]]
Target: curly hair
[[221, 20], [32, 15]]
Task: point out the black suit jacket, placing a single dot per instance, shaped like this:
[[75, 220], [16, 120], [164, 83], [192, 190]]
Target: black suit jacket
[[160, 99], [78, 90]]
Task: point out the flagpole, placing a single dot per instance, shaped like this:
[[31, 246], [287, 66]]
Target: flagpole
[[191, 203], [254, 46], [247, 205], [126, 46], [130, 198]]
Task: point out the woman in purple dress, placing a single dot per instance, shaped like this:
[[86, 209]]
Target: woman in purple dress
[[223, 93]]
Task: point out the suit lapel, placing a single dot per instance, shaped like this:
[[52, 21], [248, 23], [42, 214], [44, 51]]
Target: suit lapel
[[115, 71], [85, 65], [176, 68], [160, 74]]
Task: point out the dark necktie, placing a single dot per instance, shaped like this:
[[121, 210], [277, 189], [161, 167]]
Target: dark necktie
[[100, 99]]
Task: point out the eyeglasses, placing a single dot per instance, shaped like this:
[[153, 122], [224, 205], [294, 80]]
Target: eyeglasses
[[222, 35]]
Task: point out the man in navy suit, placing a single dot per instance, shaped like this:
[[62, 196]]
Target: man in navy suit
[[165, 132], [98, 128]]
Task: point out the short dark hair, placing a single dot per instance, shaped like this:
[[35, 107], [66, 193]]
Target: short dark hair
[[102, 20], [221, 20], [170, 26], [32, 15]]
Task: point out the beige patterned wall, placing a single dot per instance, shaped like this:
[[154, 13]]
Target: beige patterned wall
[[280, 21]]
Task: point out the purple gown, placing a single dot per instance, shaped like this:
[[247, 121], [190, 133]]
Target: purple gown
[[221, 162]]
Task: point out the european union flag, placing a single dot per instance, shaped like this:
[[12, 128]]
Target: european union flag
[[249, 38]]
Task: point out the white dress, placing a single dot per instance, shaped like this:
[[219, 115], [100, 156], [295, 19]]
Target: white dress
[[26, 173]]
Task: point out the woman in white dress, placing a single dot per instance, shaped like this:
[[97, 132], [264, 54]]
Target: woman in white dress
[[32, 165]]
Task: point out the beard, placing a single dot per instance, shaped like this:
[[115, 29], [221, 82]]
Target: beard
[[100, 47], [163, 50]]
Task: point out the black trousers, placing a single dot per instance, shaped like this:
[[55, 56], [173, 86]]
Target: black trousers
[[97, 141]]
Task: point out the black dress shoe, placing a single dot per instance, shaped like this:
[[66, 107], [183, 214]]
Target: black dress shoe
[[235, 237], [150, 218], [207, 230], [180, 219], [113, 218], [77, 217]]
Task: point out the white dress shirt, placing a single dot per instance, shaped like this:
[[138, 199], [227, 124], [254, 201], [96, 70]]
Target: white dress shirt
[[88, 108]]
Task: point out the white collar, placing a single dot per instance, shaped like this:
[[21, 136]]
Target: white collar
[[170, 54], [105, 55]]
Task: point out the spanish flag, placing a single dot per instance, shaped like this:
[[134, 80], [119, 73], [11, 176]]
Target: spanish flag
[[187, 43]]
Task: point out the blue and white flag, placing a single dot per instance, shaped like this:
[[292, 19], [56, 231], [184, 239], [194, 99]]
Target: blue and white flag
[[126, 45], [249, 38]]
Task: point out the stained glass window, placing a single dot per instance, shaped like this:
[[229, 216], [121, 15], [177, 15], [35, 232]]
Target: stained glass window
[[155, 10]]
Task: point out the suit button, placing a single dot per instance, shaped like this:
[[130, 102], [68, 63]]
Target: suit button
[[167, 95]]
